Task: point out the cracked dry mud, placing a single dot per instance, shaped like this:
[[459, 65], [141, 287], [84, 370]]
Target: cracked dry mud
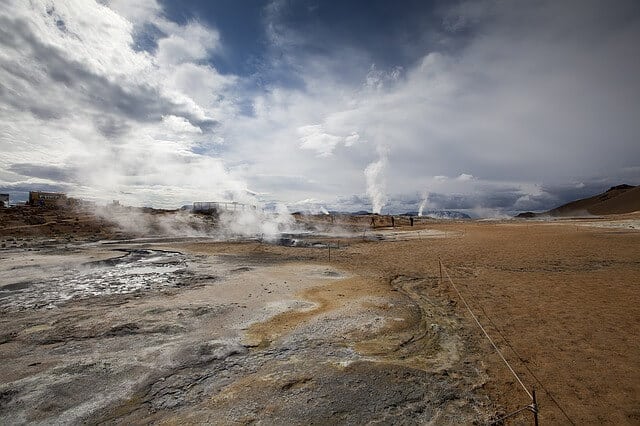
[[226, 334]]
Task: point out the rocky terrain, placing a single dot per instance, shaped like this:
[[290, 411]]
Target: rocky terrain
[[350, 327]]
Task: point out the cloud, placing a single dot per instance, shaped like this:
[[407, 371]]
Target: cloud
[[136, 12], [316, 139], [187, 44], [510, 97], [482, 104], [49, 172], [180, 125], [465, 177], [58, 75], [82, 106]]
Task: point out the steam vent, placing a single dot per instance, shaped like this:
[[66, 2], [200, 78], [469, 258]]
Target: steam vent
[[319, 212]]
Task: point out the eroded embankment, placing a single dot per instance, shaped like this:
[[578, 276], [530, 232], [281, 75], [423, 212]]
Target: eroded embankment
[[242, 339]]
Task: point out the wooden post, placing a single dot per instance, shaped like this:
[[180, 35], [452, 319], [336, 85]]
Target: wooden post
[[440, 264], [534, 407], [329, 247]]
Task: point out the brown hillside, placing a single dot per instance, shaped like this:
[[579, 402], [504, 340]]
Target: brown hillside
[[617, 200]]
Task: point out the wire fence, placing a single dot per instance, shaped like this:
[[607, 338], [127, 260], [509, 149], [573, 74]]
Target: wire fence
[[533, 406]]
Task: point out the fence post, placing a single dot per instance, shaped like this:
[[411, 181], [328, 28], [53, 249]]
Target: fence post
[[440, 264], [534, 407]]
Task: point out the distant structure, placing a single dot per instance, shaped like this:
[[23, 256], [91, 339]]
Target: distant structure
[[218, 206], [41, 199], [4, 200]]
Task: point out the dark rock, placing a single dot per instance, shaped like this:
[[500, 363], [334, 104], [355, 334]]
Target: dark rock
[[123, 329]]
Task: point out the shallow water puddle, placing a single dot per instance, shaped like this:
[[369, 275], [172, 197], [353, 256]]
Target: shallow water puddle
[[135, 271]]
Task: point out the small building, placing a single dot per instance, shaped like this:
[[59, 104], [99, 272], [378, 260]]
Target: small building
[[4, 200], [218, 206], [39, 198]]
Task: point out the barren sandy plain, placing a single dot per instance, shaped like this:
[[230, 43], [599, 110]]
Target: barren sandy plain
[[351, 327]]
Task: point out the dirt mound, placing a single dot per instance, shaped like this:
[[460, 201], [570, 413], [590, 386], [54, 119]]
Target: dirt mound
[[620, 199], [617, 200], [52, 221]]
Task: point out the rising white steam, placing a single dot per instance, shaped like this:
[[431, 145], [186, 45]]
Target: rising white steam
[[423, 204], [248, 222], [376, 182], [134, 221], [257, 223]]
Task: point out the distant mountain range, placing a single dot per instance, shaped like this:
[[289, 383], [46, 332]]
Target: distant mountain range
[[616, 200]]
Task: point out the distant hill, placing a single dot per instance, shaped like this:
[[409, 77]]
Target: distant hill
[[617, 200]]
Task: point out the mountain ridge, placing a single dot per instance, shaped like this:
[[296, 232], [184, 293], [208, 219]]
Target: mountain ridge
[[619, 199]]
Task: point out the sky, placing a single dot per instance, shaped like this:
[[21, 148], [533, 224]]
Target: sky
[[487, 107]]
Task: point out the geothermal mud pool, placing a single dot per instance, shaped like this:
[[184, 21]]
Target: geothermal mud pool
[[137, 333], [135, 270]]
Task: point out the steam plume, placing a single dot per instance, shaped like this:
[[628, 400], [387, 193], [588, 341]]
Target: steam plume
[[376, 183], [253, 223], [423, 204]]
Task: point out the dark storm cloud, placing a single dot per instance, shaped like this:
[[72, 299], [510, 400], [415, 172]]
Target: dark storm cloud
[[452, 201], [562, 194], [53, 173], [482, 202], [392, 33], [502, 200], [512, 200], [19, 191], [142, 103], [493, 199]]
